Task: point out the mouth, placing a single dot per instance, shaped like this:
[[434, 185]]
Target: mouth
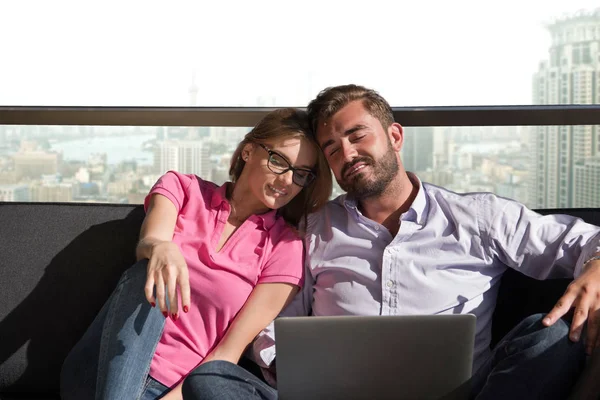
[[354, 169], [279, 192]]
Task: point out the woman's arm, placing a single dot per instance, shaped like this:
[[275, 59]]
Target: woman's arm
[[166, 266], [264, 304]]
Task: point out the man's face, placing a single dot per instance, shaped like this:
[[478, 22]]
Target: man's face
[[361, 153]]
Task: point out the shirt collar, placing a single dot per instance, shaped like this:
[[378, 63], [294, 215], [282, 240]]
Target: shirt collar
[[419, 206], [219, 198], [417, 211]]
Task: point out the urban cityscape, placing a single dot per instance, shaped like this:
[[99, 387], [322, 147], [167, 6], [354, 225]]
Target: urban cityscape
[[543, 167]]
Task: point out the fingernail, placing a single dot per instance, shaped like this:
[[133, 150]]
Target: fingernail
[[185, 309], [166, 314], [174, 316], [546, 320], [153, 304], [575, 337]]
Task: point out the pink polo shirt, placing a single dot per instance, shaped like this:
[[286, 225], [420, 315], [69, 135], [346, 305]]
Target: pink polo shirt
[[263, 249]]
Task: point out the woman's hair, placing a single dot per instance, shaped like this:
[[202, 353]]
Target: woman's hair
[[281, 124], [332, 99]]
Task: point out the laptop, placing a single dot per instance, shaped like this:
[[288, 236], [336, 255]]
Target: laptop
[[374, 357]]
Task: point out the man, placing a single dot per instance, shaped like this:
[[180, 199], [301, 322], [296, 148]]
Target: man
[[394, 245]]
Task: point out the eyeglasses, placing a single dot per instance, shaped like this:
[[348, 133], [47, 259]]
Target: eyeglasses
[[279, 165]]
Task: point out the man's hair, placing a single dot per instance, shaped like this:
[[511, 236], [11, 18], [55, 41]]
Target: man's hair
[[332, 99]]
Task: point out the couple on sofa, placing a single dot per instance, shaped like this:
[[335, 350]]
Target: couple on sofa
[[218, 264]]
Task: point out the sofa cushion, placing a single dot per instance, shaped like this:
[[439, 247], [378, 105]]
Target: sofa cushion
[[59, 263]]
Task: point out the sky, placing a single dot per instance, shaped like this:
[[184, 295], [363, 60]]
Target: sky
[[267, 52]]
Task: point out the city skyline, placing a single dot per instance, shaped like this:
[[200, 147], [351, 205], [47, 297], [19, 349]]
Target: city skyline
[[120, 164]]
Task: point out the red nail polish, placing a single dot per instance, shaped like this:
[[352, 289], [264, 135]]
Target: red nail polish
[[166, 314], [185, 309], [174, 316], [153, 304]]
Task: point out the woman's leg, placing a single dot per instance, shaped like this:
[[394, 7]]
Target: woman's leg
[[153, 389], [223, 380], [112, 359]]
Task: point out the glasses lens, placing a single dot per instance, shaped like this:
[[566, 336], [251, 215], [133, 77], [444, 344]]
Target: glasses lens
[[278, 163], [303, 177]]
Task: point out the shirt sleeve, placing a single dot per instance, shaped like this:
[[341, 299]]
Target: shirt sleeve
[[285, 263], [174, 186], [540, 246]]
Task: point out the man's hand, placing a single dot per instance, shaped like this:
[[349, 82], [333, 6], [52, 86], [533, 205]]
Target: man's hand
[[583, 294]]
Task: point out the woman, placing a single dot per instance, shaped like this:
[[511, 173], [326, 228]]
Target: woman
[[219, 263]]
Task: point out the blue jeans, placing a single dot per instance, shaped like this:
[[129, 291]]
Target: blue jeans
[[224, 380], [112, 359], [153, 390], [531, 362]]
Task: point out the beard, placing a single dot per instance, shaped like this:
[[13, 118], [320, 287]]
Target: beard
[[384, 171]]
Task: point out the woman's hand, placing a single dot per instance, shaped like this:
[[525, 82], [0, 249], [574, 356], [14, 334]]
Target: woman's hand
[[167, 270]]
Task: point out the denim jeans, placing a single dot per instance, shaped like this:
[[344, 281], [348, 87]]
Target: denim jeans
[[531, 362], [153, 389], [112, 359], [224, 381]]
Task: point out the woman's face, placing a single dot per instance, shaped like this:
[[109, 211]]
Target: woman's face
[[274, 190]]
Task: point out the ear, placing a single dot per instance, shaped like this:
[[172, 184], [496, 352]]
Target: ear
[[247, 151], [396, 134]]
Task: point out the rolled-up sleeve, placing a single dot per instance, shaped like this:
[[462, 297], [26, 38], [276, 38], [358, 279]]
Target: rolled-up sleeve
[[540, 246]]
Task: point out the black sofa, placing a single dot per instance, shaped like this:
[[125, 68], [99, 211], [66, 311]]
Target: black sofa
[[60, 262]]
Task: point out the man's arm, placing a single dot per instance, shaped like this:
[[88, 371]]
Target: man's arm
[[549, 246]]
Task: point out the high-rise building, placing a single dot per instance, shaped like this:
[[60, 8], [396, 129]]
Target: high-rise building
[[52, 192], [571, 75], [587, 177], [417, 150], [185, 156], [14, 193], [33, 164]]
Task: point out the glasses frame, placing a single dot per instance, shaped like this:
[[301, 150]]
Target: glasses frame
[[311, 174]]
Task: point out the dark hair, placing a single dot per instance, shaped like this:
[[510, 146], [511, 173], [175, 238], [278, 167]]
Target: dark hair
[[332, 99], [289, 123]]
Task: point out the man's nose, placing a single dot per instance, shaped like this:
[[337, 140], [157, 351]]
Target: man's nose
[[348, 151]]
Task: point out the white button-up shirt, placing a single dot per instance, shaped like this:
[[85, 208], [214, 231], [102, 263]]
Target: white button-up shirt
[[447, 258]]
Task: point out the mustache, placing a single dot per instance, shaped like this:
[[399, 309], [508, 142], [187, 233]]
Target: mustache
[[349, 165]]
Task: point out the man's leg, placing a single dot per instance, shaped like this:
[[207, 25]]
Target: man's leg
[[225, 381], [531, 362], [112, 359]]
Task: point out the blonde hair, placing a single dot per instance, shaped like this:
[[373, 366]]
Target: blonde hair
[[289, 123]]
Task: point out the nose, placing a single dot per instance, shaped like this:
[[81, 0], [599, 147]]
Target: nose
[[286, 178], [348, 151]]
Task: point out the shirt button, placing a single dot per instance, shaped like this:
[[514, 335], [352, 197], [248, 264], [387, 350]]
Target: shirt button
[[390, 284]]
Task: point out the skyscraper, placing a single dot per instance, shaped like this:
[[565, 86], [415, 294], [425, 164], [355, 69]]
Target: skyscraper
[[185, 156], [417, 150], [571, 75]]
